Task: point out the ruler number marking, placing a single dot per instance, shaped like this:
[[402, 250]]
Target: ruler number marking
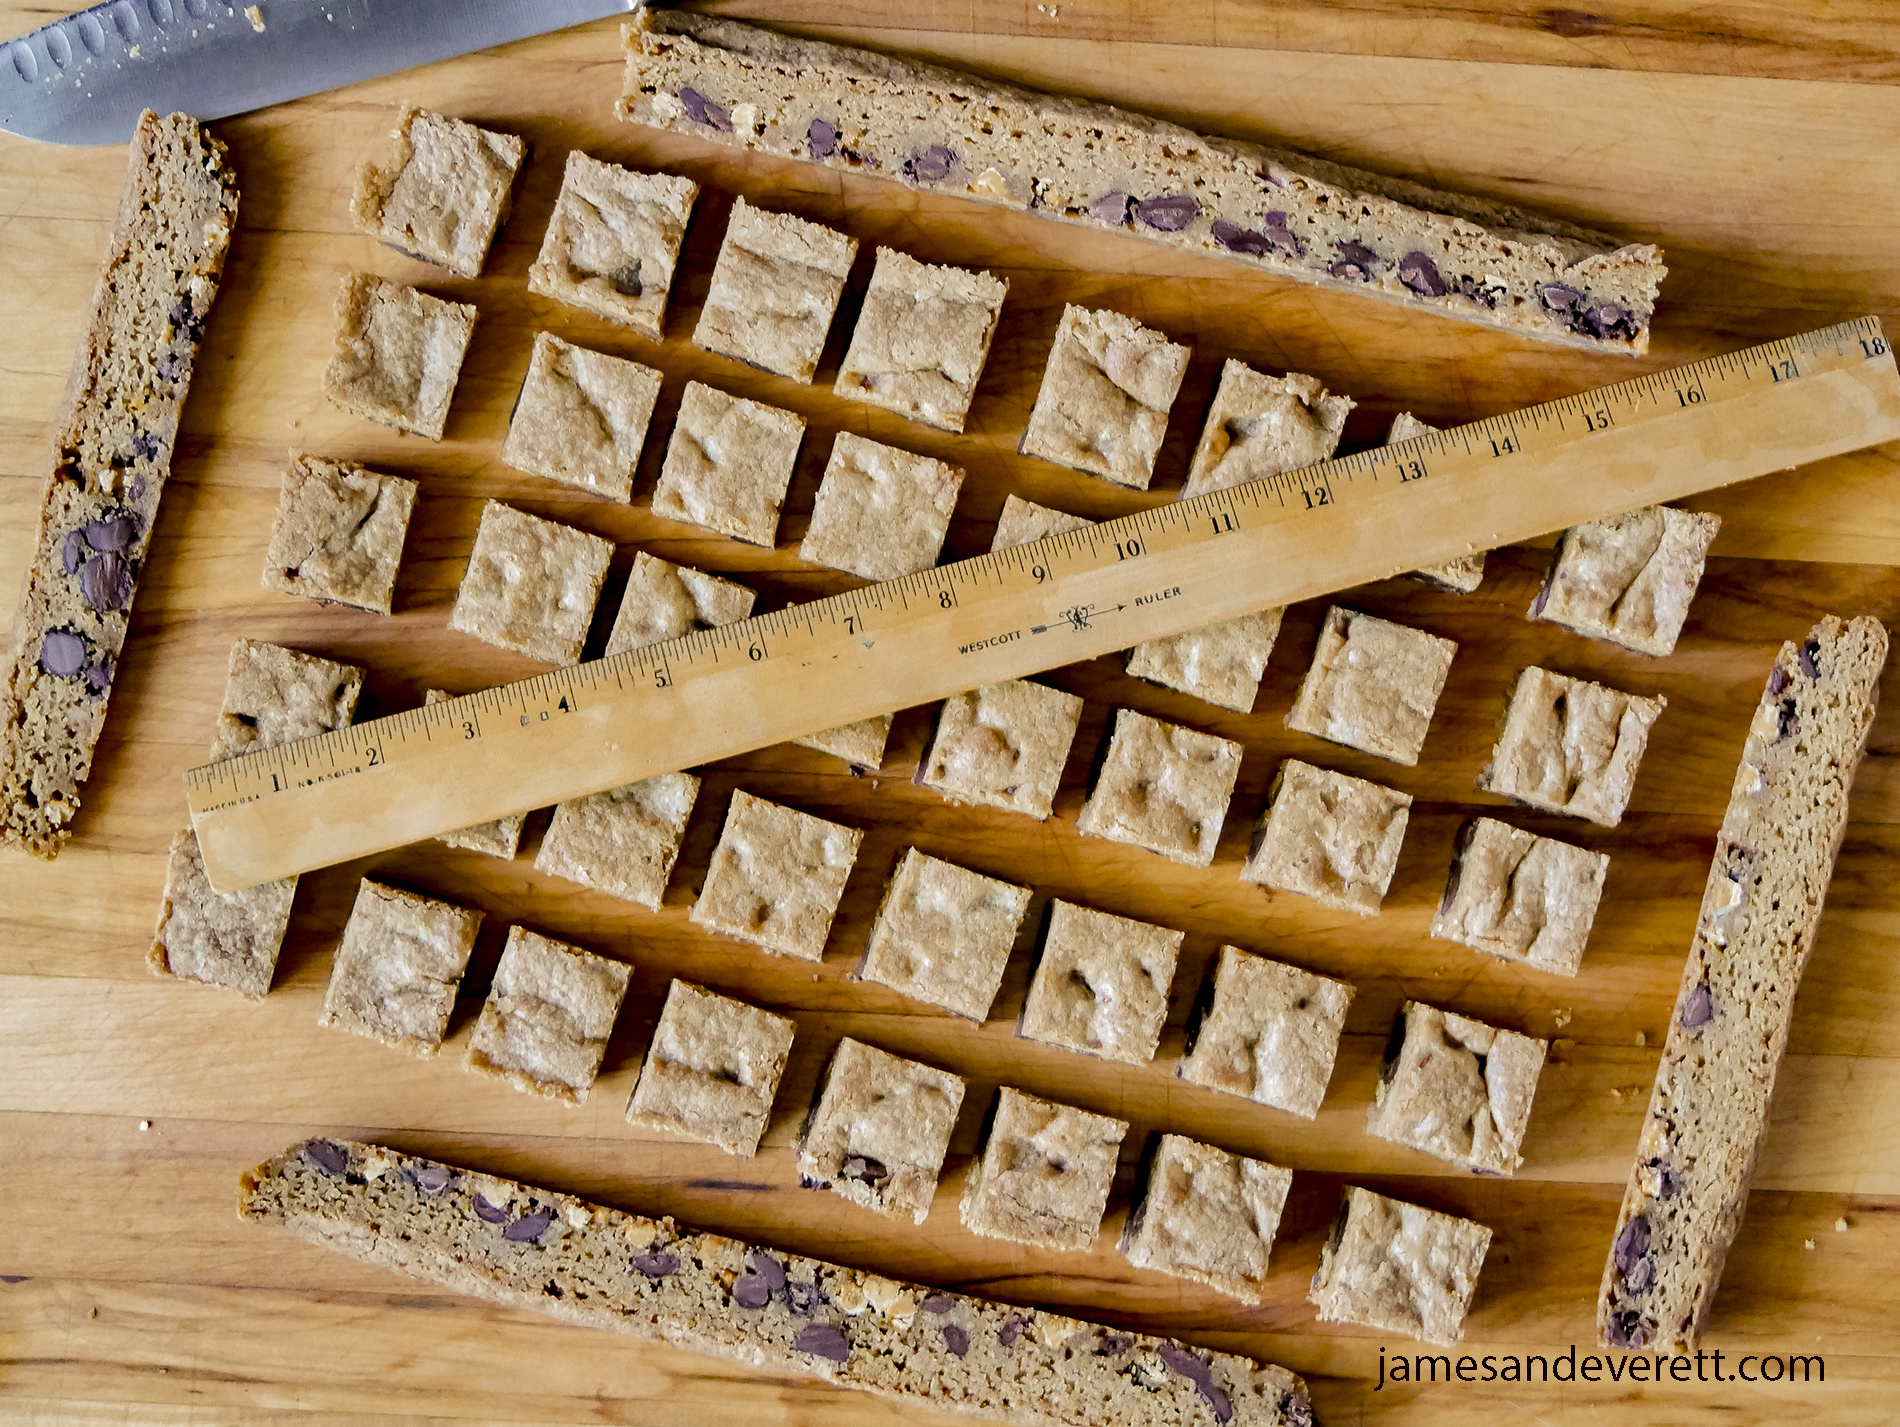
[[1410, 471], [1041, 572], [1222, 523], [1315, 499], [1597, 418], [1127, 549], [1874, 346]]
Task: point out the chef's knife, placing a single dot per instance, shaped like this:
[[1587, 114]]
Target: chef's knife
[[84, 79]]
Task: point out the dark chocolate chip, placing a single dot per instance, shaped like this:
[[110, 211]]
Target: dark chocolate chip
[[1668, 1184], [822, 1340], [801, 1298], [136, 491], [1242, 240], [1420, 273], [1297, 1409], [656, 1265], [1557, 297], [105, 582], [327, 1157], [863, 1167], [1632, 1242], [767, 1268], [1216, 1397], [1806, 658], [1470, 288], [625, 279], [488, 1213], [933, 165], [955, 1339], [62, 653], [1609, 320], [1012, 1331], [1777, 681], [939, 1303], [432, 1179], [1787, 722], [169, 367], [1191, 1366], [702, 110], [1110, 208], [72, 554], [822, 138], [112, 535], [1697, 1011], [1357, 254], [1113, 1345], [751, 1291], [99, 676], [1169, 213], [145, 447], [529, 1227], [1349, 272], [1641, 1274], [1626, 1330]]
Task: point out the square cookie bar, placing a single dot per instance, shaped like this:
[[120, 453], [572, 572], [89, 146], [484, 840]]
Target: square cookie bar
[[1162, 787], [1101, 984], [1328, 836], [1261, 426], [776, 877], [1399, 1268], [624, 841], [338, 534], [531, 585], [395, 973], [663, 601], [1003, 745], [774, 291], [228, 939], [943, 934], [879, 1129], [921, 339], [545, 1024], [712, 1070], [398, 353], [581, 418], [1044, 1174], [1570, 746], [1463, 575], [1207, 1216], [1222, 663], [860, 744], [614, 241], [1372, 685], [1266, 1031], [728, 464], [500, 838], [1023, 521], [881, 512], [274, 695], [1103, 404], [1457, 1088], [1629, 578], [1522, 897], [444, 193]]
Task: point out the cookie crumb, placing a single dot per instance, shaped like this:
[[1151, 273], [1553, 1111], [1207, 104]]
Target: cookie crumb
[[1808, 1244], [1840, 1226], [93, 1313], [255, 14], [1641, 1039], [145, 1124], [1562, 1018]]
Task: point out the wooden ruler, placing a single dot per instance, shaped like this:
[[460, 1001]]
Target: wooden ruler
[[814, 666]]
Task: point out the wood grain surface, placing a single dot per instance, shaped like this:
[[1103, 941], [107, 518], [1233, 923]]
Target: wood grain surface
[[1753, 141]]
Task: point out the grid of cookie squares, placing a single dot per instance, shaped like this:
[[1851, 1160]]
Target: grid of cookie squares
[[1100, 982]]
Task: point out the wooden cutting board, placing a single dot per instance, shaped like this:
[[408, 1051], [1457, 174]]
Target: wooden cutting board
[[1743, 142]]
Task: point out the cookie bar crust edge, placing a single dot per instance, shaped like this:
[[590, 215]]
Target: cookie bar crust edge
[[111, 454], [1587, 289], [505, 1242]]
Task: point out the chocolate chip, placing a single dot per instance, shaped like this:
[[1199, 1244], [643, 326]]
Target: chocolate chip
[[822, 1340], [105, 582], [72, 554], [933, 165], [625, 279], [432, 1179], [1472, 289], [1805, 656], [1609, 320], [112, 535], [1557, 297], [1420, 273], [1787, 721], [1012, 1331], [1668, 1183], [136, 491], [702, 110], [1191, 1366], [169, 367], [1632, 1242], [769, 1269], [1777, 681], [865, 1169], [1349, 272], [1113, 1345], [1216, 1397], [1244, 240], [99, 676], [822, 138], [656, 1265], [751, 1291], [939, 1303], [801, 1298], [145, 447], [62, 653], [488, 1213], [327, 1157], [1626, 1330], [529, 1227], [1169, 213], [1358, 254], [1110, 208], [1297, 1409], [1641, 1275], [955, 1339], [1697, 1011]]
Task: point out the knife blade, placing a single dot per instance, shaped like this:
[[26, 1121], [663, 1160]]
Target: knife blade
[[84, 79]]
